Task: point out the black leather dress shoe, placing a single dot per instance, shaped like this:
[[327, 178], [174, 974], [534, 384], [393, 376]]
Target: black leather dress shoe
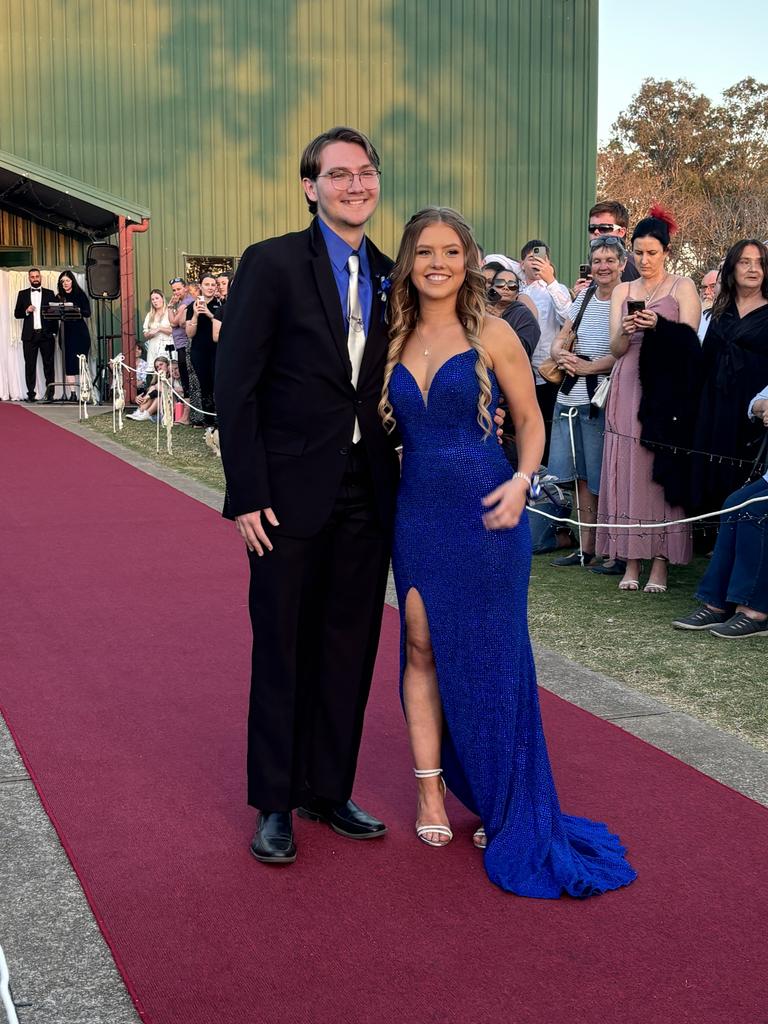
[[273, 842], [347, 819]]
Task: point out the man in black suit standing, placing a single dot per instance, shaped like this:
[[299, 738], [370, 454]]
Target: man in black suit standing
[[311, 483], [37, 334]]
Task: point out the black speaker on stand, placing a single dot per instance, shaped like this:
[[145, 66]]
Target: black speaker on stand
[[102, 273]]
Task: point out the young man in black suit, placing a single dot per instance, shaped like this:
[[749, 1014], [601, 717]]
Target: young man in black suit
[[37, 334], [311, 482]]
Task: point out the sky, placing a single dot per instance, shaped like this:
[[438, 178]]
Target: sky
[[713, 45]]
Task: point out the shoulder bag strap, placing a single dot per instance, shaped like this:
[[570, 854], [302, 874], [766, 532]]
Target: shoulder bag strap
[[589, 293]]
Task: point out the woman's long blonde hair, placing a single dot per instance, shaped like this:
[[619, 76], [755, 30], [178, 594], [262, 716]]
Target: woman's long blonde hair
[[404, 306], [156, 315]]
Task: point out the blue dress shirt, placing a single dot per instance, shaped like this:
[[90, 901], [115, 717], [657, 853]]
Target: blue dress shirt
[[339, 252]]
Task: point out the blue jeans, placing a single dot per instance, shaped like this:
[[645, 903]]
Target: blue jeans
[[738, 569]]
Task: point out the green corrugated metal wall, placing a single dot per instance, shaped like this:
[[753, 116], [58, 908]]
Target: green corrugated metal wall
[[199, 111]]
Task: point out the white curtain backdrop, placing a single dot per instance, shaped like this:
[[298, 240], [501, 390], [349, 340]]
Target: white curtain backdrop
[[12, 381]]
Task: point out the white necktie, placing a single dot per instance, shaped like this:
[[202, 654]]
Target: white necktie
[[356, 329]]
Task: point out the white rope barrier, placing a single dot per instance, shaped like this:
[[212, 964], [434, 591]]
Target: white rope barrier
[[212, 441], [648, 526], [5, 992], [166, 399], [179, 398]]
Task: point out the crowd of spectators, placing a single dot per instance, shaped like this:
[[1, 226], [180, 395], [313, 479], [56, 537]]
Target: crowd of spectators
[[682, 430], [180, 336]]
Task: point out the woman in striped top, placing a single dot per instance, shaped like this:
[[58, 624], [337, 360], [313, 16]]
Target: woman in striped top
[[585, 368]]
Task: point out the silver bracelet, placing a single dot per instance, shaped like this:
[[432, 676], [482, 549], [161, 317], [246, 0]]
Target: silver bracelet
[[534, 487]]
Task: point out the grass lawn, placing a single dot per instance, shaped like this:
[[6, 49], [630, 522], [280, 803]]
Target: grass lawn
[[628, 636], [625, 635], [191, 455]]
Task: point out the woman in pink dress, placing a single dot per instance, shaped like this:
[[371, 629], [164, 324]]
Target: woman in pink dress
[[628, 493]]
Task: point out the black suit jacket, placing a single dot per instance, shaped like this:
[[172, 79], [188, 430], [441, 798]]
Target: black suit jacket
[[20, 312], [285, 402]]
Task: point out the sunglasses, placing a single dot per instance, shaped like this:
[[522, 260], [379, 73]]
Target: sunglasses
[[610, 242], [603, 229], [177, 280], [509, 285]]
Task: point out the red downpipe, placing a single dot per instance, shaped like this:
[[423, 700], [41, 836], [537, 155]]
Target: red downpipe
[[128, 297]]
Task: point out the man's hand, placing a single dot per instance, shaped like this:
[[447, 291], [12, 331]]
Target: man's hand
[[544, 267], [251, 529], [30, 309], [499, 418]]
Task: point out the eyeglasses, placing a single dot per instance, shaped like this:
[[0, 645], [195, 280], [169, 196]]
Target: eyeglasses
[[509, 285], [342, 180], [603, 229], [177, 280], [609, 242]]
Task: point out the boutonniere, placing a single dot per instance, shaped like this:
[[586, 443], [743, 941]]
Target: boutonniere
[[385, 286]]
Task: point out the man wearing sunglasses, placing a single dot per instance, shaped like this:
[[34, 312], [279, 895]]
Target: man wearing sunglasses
[[606, 219], [311, 484]]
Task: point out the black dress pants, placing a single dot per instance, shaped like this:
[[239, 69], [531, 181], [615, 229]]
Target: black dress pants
[[203, 356], [316, 605], [45, 344], [181, 357]]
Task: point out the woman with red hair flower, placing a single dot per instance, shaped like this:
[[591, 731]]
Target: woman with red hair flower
[[654, 388]]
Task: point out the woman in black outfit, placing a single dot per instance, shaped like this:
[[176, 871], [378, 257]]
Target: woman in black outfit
[[735, 353], [77, 337]]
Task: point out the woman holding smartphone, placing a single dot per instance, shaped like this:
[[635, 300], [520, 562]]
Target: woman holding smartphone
[[628, 492]]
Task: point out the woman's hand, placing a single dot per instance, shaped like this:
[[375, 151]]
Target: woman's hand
[[508, 501], [646, 320], [574, 365], [628, 325]]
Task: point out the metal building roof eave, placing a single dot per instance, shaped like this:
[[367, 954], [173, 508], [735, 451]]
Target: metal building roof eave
[[61, 201]]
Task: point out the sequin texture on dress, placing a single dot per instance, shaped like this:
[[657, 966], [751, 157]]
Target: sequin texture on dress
[[474, 585]]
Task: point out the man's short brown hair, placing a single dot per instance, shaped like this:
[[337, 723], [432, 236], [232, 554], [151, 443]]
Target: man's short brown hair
[[618, 211], [310, 158]]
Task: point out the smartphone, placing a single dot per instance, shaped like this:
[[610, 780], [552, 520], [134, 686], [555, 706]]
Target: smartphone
[[635, 306], [585, 271], [540, 251]]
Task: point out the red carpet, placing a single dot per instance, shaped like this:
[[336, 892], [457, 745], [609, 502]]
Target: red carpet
[[128, 701]]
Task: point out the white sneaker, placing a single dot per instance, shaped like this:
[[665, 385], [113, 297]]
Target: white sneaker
[[140, 414]]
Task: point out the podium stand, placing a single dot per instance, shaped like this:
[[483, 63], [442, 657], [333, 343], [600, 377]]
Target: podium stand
[[59, 312]]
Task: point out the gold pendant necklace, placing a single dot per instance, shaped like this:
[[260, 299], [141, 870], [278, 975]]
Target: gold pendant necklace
[[649, 295], [426, 351]]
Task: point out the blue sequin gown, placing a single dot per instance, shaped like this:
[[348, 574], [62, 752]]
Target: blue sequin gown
[[474, 584]]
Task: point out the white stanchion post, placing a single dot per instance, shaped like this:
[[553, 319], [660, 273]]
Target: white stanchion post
[[118, 392], [572, 412], [5, 992], [166, 410]]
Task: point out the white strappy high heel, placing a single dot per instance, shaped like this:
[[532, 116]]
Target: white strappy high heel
[[480, 839], [422, 831]]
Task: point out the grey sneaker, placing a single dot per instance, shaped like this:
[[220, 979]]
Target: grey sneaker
[[740, 626], [702, 618], [573, 559]]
